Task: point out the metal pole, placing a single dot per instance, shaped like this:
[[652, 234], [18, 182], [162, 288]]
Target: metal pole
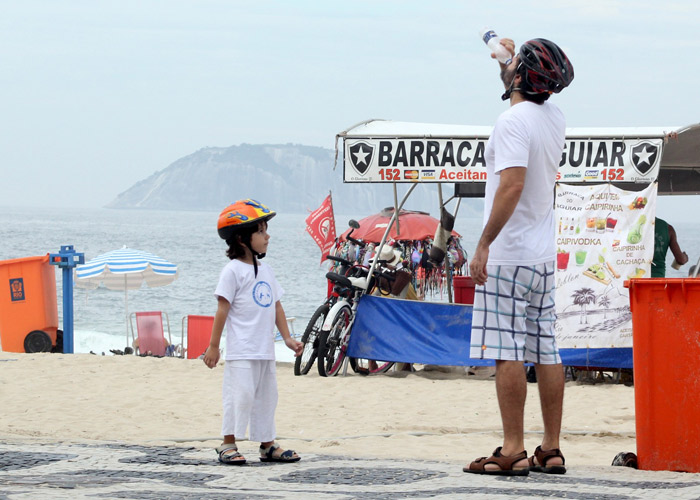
[[448, 272], [386, 232], [126, 308], [396, 211], [448, 278], [68, 311], [67, 258]]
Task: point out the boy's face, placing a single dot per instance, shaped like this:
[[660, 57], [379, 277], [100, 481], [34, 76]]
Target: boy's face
[[260, 239]]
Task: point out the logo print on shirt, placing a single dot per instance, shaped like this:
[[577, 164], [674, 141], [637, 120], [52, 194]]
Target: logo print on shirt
[[262, 294]]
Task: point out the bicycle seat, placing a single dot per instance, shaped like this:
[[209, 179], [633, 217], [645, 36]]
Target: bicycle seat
[[339, 279], [345, 281], [359, 282]]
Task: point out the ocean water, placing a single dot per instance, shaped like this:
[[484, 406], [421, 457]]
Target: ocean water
[[189, 239]]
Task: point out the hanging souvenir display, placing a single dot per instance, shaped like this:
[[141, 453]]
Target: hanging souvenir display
[[427, 279]]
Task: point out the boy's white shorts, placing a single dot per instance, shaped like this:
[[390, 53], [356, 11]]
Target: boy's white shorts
[[250, 399]]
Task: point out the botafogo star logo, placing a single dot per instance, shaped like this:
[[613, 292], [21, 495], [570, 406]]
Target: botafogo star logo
[[361, 154], [644, 156]]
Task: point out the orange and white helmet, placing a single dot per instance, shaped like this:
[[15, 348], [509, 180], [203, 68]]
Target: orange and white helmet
[[242, 214]]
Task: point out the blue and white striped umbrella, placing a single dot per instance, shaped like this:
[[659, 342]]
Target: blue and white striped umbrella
[[125, 269]]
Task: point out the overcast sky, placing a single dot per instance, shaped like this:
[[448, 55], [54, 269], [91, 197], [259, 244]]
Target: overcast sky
[[97, 95]]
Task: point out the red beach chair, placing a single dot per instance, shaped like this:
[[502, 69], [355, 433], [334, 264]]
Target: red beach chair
[[198, 333], [150, 335]]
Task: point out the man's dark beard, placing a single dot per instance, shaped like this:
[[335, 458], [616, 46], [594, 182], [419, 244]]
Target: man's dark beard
[[508, 75]]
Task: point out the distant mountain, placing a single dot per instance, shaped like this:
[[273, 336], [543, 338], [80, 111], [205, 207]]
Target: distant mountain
[[290, 178]]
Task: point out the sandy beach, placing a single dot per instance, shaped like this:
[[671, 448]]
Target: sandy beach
[[427, 414]]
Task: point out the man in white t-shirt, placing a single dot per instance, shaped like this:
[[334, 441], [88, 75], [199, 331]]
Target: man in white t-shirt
[[513, 265]]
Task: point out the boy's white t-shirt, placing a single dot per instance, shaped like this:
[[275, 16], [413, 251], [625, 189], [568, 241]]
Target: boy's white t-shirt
[[250, 325], [532, 136]]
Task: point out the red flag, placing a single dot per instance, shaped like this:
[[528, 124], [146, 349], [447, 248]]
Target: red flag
[[320, 224]]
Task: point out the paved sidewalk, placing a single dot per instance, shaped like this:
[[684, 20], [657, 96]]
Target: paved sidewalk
[[111, 470]]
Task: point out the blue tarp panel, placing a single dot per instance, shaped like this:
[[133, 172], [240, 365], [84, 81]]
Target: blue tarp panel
[[438, 334], [413, 332], [619, 357]]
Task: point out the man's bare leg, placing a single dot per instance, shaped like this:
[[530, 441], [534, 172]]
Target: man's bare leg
[[511, 389], [550, 382]]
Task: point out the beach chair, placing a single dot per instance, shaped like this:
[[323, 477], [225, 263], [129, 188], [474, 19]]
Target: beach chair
[[149, 338], [198, 330], [290, 324]]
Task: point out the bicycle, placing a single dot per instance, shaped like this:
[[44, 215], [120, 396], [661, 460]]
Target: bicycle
[[303, 363], [335, 332]]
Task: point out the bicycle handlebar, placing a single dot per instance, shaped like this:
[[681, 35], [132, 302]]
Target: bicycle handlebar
[[349, 237], [356, 242], [339, 260]]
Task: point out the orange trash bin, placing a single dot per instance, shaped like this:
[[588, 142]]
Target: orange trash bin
[[464, 289], [666, 351], [28, 308]]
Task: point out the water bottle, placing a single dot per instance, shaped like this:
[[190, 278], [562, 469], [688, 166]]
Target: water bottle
[[492, 40]]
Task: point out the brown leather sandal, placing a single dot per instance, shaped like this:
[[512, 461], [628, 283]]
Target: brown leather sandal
[[543, 457], [504, 463]]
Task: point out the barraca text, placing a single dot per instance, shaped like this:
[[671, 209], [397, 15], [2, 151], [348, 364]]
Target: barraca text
[[431, 154]]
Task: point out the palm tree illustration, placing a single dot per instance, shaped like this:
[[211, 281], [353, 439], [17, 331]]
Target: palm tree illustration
[[582, 297], [605, 302]]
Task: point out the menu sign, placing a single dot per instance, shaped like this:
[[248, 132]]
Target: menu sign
[[604, 236]]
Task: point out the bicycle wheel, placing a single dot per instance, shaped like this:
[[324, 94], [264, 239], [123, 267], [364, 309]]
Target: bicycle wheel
[[331, 348], [303, 363], [368, 367]]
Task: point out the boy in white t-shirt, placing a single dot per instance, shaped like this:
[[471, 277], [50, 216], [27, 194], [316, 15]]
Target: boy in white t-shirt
[[249, 307]]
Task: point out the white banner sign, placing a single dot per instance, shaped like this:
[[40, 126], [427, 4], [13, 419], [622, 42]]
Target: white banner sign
[[612, 160], [462, 160], [604, 236]]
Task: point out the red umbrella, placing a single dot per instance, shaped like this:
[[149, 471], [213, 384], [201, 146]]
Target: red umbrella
[[413, 226]]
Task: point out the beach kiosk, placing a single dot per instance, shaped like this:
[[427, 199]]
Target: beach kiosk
[[608, 182]]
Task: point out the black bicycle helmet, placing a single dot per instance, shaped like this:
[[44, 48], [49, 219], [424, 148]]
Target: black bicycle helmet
[[547, 69]]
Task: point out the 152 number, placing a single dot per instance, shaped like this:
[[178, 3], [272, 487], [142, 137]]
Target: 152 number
[[390, 174], [613, 174]]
